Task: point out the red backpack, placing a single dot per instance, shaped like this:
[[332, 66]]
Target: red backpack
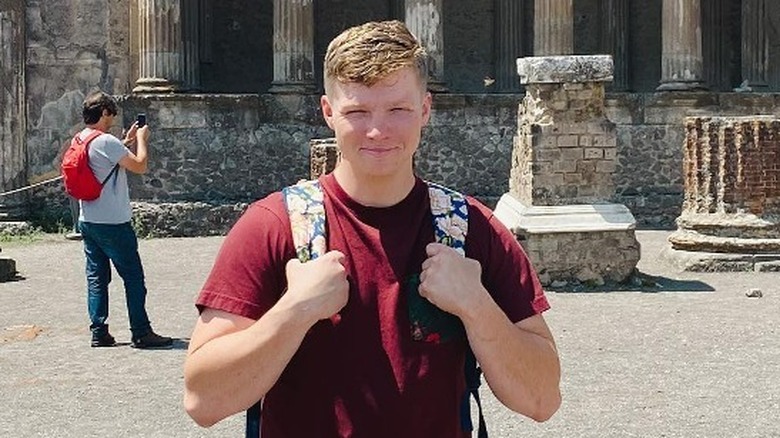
[[77, 177]]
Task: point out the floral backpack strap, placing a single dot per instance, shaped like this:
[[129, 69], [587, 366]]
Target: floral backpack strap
[[450, 217], [306, 209], [450, 224]]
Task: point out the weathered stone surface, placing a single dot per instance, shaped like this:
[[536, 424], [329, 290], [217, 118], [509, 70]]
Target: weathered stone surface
[[732, 185], [565, 69], [590, 244], [323, 156], [184, 219], [7, 269], [701, 261]]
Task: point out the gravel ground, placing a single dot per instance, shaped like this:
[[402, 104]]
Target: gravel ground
[[690, 355]]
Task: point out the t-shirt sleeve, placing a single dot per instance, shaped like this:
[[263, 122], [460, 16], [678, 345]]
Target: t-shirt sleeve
[[248, 275], [113, 149], [506, 270]]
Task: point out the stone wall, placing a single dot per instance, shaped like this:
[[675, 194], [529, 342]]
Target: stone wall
[[229, 149], [233, 148]]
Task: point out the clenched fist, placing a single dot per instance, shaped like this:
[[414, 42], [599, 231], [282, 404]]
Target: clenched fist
[[450, 281], [318, 289]]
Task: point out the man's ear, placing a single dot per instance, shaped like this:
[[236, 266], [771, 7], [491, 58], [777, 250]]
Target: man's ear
[[327, 110], [426, 109]]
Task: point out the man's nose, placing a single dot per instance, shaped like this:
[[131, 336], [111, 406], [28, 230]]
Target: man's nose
[[377, 127]]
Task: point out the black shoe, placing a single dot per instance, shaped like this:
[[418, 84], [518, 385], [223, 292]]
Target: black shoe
[[152, 341], [103, 341]]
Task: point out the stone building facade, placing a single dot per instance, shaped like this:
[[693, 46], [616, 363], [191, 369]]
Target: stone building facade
[[231, 87]]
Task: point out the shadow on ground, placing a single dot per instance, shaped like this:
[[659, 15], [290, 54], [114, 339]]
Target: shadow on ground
[[638, 282]]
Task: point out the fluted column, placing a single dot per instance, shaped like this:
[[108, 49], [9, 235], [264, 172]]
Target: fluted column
[[424, 19], [681, 54], [161, 55], [755, 47], [553, 27], [191, 11], [615, 39], [293, 46], [716, 25], [397, 9], [13, 156], [509, 43]]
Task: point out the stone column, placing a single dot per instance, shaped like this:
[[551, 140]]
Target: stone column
[[681, 54], [425, 20], [561, 181], [509, 43], [397, 9], [553, 27], [614, 39], [716, 24], [161, 51], [755, 47], [293, 47], [13, 163], [13, 157], [191, 21]]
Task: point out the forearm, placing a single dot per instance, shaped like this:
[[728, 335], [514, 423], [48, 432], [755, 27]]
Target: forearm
[[141, 151], [521, 366], [228, 374]]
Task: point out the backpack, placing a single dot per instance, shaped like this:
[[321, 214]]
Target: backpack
[[305, 207], [77, 177]]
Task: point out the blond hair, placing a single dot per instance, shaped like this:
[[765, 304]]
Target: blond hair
[[371, 52]]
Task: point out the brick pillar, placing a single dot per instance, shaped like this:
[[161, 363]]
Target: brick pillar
[[731, 167], [293, 46], [681, 54], [553, 27], [614, 39], [560, 184], [565, 146], [509, 43], [425, 20], [160, 47], [755, 46]]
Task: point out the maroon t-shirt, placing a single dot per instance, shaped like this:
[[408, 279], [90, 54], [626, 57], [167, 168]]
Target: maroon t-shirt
[[364, 375]]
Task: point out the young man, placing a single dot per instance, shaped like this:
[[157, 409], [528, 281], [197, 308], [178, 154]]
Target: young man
[[327, 344], [105, 225]]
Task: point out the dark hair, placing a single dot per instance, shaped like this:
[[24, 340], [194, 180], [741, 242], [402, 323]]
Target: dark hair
[[94, 105]]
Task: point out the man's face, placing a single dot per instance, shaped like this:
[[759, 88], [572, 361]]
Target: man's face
[[378, 128]]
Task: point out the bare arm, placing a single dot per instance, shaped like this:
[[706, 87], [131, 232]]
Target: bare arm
[[233, 361], [136, 162], [520, 361]]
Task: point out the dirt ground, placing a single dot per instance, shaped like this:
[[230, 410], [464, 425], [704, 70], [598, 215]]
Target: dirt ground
[[688, 356]]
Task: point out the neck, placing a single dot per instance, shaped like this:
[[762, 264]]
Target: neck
[[374, 191], [96, 126]]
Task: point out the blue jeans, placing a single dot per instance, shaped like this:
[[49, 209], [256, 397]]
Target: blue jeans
[[115, 243]]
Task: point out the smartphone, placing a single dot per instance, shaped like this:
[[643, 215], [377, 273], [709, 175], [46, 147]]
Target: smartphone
[[141, 120]]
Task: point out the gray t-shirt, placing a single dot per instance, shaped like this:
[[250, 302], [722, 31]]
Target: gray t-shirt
[[113, 205]]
